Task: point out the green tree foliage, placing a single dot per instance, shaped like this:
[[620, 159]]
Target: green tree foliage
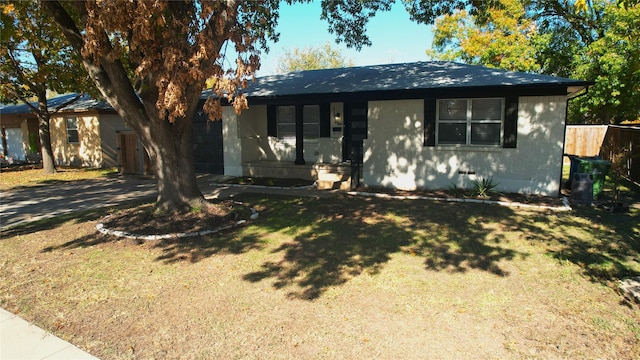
[[613, 62], [501, 40], [35, 59], [311, 58], [592, 40]]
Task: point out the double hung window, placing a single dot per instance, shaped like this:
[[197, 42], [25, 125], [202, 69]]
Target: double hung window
[[286, 122], [475, 121], [72, 130], [286, 118]]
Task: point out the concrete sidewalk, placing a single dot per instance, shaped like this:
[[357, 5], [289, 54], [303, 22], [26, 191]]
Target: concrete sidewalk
[[22, 340]]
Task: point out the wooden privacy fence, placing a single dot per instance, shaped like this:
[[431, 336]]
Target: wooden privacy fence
[[584, 140], [599, 140], [624, 138]]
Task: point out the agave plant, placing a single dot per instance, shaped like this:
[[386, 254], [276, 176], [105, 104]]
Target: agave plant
[[484, 187]]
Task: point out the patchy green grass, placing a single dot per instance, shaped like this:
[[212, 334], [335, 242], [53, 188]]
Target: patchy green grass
[[35, 177], [340, 277]]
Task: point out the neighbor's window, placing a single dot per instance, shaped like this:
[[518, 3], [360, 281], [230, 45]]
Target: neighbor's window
[[286, 119], [470, 121], [72, 130]]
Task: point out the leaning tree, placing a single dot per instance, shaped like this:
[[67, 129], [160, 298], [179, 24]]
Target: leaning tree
[[35, 59], [151, 59]]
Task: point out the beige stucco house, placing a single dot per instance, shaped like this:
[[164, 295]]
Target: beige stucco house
[[86, 133]]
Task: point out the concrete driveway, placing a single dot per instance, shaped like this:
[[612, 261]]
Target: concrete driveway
[[22, 206], [25, 205]]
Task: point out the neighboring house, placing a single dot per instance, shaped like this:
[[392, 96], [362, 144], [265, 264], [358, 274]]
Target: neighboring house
[[86, 133], [425, 125]]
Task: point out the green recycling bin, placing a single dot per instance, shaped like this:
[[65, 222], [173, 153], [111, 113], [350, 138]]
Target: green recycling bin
[[598, 168]]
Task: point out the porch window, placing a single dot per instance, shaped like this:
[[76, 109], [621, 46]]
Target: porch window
[[470, 121], [72, 130], [311, 121], [286, 122], [286, 118]]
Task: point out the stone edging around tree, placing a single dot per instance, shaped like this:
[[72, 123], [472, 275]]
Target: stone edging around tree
[[123, 234]]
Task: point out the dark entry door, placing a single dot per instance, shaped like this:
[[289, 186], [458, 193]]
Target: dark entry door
[[355, 131], [207, 145]]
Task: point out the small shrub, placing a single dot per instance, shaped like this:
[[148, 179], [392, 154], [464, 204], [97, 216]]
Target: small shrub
[[455, 190], [484, 187]]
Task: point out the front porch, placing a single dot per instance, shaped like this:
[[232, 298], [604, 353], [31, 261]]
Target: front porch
[[327, 176]]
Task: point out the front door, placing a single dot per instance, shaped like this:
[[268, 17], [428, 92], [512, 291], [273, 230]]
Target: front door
[[208, 155], [128, 143], [355, 131]]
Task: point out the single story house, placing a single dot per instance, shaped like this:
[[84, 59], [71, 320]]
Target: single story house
[[423, 125], [85, 133]]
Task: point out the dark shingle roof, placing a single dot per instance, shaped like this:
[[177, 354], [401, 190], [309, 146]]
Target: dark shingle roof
[[83, 104], [394, 77], [377, 78]]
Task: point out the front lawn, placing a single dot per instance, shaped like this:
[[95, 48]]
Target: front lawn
[[12, 178], [338, 277]]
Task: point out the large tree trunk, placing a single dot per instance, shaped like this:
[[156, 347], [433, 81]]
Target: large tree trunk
[[48, 164], [169, 147], [167, 143], [44, 131]]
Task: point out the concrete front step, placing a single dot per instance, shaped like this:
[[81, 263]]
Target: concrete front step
[[333, 176], [324, 176], [332, 185]]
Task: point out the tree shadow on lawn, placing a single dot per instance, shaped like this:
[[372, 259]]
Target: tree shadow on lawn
[[606, 246], [52, 223], [58, 220], [319, 243], [335, 240], [195, 249], [191, 249]]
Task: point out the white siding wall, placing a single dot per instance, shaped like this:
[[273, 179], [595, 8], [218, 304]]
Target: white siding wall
[[395, 156], [232, 149], [245, 140]]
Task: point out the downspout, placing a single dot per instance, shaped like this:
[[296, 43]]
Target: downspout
[[571, 96]]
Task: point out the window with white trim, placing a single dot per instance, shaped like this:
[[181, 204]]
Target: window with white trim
[[72, 130], [474, 121], [286, 121]]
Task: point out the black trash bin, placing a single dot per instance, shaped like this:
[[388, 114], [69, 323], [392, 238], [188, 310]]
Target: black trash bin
[[589, 165], [582, 189]]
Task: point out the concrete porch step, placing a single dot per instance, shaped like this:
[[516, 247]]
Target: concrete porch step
[[332, 185], [327, 176]]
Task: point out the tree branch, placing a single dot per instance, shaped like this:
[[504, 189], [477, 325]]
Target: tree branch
[[67, 103], [110, 76]]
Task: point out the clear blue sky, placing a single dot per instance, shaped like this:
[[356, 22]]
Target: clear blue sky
[[395, 38]]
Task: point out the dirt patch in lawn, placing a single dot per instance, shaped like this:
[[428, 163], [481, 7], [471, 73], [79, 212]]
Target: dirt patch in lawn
[[145, 220]]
